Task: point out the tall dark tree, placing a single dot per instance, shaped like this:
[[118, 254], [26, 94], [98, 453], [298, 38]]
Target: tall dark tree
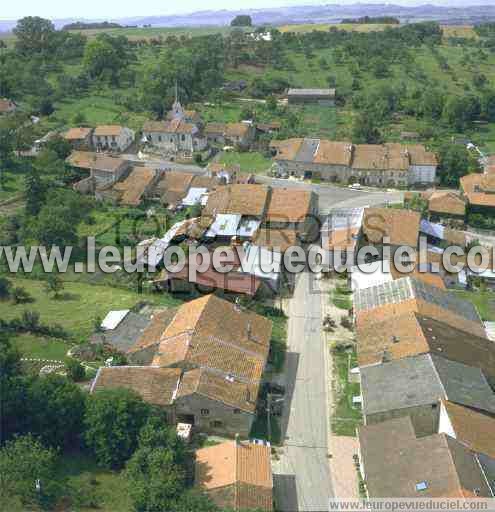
[[34, 35], [242, 20], [454, 163], [35, 192], [113, 421], [28, 475]]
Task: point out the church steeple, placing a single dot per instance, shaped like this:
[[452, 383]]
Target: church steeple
[[177, 110]]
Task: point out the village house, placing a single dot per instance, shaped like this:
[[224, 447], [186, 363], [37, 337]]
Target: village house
[[474, 430], [215, 133], [240, 134], [292, 209], [380, 272], [173, 187], [222, 349], [7, 106], [79, 138], [157, 386], [479, 190], [379, 165], [390, 227], [322, 97], [137, 186], [413, 386], [395, 463], [408, 294], [340, 234], [411, 334], [103, 169], [112, 138], [443, 205], [180, 133], [236, 475], [236, 134]]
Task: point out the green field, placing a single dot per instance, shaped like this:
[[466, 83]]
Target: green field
[[78, 306], [251, 162], [483, 301], [12, 184], [101, 489], [38, 347]]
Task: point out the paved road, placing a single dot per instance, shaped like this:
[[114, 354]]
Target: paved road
[[156, 163], [331, 196], [302, 475]]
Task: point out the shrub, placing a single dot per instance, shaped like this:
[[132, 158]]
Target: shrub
[[75, 370], [5, 288], [21, 296]]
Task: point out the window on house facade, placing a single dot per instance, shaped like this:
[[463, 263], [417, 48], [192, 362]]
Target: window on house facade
[[183, 137], [237, 411], [205, 412], [159, 138], [216, 424], [113, 138]]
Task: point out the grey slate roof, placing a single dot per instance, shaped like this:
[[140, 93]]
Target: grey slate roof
[[312, 92], [423, 380], [307, 150], [125, 335], [406, 288]]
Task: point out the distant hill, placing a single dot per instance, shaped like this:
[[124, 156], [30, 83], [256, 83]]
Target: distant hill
[[462, 15]]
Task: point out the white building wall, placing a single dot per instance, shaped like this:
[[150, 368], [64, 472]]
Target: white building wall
[[422, 174]]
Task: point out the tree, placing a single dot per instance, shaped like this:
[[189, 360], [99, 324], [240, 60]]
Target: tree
[[155, 481], [156, 471], [46, 107], [10, 363], [106, 57], [271, 103], [24, 463], [365, 130], [459, 111], [34, 35], [454, 163], [242, 21], [54, 284], [113, 421], [5, 288], [488, 105], [56, 409], [35, 192], [21, 296], [75, 370]]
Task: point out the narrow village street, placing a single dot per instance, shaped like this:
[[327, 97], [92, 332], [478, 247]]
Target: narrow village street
[[302, 477]]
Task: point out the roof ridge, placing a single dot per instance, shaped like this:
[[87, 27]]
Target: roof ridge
[[432, 362], [446, 438]]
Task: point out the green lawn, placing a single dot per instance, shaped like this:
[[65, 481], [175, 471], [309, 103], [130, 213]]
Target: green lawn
[[97, 109], [38, 347], [483, 301], [12, 184], [80, 304], [251, 162], [103, 490], [345, 417]]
